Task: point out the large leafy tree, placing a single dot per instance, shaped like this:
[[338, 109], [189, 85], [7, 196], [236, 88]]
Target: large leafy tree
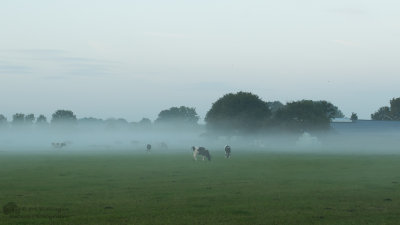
[[239, 112], [306, 115], [181, 115], [383, 113], [275, 106], [331, 110], [388, 113], [63, 116], [395, 108]]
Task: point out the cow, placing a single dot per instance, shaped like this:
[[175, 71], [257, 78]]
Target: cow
[[58, 144], [148, 147], [201, 151], [163, 145], [227, 151]]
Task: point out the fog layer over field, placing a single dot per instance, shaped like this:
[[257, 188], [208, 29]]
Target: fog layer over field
[[87, 138]]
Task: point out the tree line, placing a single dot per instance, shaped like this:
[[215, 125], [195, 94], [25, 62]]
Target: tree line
[[235, 113], [391, 112]]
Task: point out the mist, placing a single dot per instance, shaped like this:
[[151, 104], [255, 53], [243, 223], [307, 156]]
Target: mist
[[177, 138]]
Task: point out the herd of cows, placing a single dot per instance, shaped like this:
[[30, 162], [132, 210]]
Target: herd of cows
[[202, 151]]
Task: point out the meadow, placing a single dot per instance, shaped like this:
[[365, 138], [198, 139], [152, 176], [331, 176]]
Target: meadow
[[159, 188]]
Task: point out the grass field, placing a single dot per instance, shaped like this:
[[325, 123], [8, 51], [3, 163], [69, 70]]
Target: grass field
[[250, 188]]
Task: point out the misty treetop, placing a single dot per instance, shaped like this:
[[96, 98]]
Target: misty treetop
[[395, 108], [242, 111], [388, 113], [18, 119], [29, 118], [181, 115], [275, 106], [354, 116], [330, 110], [3, 120], [306, 115], [245, 112], [90, 120], [41, 119], [63, 116], [145, 122], [233, 113]]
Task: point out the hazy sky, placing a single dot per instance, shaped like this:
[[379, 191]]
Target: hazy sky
[[132, 59]]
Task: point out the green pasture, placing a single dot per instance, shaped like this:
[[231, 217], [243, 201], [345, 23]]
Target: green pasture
[[250, 188]]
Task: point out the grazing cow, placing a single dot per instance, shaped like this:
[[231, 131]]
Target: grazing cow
[[148, 147], [201, 151], [227, 151], [59, 144]]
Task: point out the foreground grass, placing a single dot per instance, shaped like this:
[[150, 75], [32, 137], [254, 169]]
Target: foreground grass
[[252, 188]]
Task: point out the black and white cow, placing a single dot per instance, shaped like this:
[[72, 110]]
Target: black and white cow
[[201, 151], [227, 151], [148, 147]]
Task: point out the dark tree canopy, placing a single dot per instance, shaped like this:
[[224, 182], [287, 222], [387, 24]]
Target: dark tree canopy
[[63, 116], [395, 108], [18, 119], [275, 106], [306, 115], [240, 112], [181, 115], [383, 113], [3, 120], [388, 113], [354, 116], [29, 118], [331, 110], [41, 120]]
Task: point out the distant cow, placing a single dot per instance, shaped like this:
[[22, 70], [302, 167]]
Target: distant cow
[[148, 147], [227, 151], [58, 144], [201, 151], [163, 145]]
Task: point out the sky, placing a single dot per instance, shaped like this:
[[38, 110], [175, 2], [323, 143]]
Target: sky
[[132, 59]]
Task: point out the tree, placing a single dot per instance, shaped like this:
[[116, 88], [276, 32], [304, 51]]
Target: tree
[[145, 122], [383, 113], [90, 121], [116, 124], [354, 116], [18, 119], [331, 110], [41, 120], [64, 117], [240, 112], [395, 108], [275, 106], [388, 113], [29, 119], [3, 120], [181, 115], [305, 115]]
